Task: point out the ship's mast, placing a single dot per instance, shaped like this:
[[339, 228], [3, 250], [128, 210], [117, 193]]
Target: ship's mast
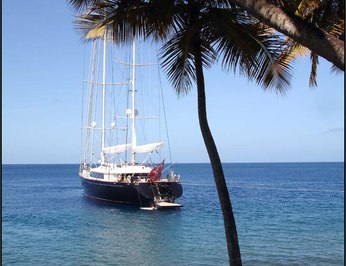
[[133, 90], [103, 134]]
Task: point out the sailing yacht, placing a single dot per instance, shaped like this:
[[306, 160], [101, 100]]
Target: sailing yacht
[[117, 166]]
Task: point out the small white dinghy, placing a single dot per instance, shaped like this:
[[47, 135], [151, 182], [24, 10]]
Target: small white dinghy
[[162, 205], [167, 205]]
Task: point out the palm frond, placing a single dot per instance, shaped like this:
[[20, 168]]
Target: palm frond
[[119, 18], [338, 29], [335, 69], [306, 8], [327, 15], [269, 74], [283, 65], [313, 73], [82, 5], [161, 16], [226, 30], [245, 45], [177, 61]]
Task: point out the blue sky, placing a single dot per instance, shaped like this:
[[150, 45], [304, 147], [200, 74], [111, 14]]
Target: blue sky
[[42, 69]]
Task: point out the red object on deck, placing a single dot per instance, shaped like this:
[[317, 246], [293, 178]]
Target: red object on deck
[[156, 172]]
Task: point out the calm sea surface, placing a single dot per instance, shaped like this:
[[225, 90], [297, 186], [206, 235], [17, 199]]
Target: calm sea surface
[[286, 214]]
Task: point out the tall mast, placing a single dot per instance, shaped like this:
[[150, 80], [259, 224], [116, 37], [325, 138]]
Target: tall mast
[[103, 134], [134, 139]]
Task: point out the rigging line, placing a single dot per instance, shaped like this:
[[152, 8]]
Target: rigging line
[[83, 148], [140, 102], [113, 99], [109, 95], [104, 65], [116, 95], [82, 115], [127, 70], [164, 109], [168, 167], [133, 106], [97, 64], [91, 89], [159, 106], [120, 107], [97, 74]]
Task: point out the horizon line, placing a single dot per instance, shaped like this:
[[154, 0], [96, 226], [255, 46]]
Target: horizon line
[[185, 163]]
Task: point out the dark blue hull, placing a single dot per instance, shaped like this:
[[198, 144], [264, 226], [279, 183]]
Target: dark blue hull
[[141, 194]]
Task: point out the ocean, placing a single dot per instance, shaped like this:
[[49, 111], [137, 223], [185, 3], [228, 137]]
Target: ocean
[[286, 214]]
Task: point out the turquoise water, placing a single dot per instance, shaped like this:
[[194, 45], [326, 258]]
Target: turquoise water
[[286, 214]]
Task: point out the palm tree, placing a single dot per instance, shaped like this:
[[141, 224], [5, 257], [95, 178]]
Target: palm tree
[[196, 34], [326, 15], [285, 16]]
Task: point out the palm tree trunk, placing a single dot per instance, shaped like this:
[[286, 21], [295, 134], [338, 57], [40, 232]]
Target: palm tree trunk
[[221, 186]]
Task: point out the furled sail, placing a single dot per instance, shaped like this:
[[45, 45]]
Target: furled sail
[[148, 147], [116, 149]]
